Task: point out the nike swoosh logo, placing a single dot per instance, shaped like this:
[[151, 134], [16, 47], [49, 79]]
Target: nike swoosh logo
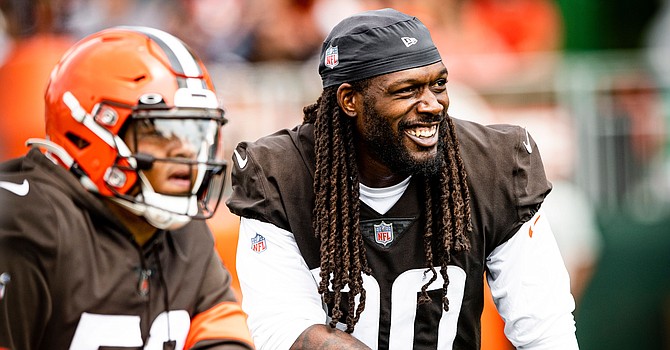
[[18, 189], [526, 143], [241, 162]]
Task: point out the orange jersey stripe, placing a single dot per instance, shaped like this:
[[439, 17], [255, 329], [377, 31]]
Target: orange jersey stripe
[[223, 321]]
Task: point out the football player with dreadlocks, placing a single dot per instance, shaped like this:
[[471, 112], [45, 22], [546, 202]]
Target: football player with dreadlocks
[[371, 224], [99, 246]]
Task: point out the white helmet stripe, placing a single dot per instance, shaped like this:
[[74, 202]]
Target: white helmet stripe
[[179, 56]]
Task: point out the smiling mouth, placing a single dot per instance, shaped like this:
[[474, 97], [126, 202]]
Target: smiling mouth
[[425, 136], [422, 132]]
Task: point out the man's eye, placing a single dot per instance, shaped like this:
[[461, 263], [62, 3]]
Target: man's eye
[[147, 132], [406, 90], [150, 133], [441, 82]]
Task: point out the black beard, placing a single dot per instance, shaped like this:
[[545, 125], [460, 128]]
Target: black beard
[[387, 146]]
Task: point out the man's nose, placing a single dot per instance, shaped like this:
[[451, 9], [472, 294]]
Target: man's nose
[[430, 103], [181, 148]]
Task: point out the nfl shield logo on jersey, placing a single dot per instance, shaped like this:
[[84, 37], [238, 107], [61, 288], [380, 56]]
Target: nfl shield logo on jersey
[[332, 58], [384, 233], [4, 280], [258, 244]]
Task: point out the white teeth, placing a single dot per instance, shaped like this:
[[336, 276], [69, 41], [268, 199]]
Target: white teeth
[[423, 132]]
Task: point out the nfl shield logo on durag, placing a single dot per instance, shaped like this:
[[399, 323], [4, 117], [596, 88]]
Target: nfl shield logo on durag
[[332, 58], [384, 233]]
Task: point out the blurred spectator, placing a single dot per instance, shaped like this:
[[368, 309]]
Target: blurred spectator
[[291, 30], [576, 231], [219, 30], [37, 37], [224, 30], [489, 42], [90, 16], [658, 41], [571, 214], [285, 30], [658, 52], [331, 12], [214, 29]]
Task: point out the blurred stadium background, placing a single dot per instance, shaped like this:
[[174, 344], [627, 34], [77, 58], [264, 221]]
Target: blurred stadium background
[[589, 79]]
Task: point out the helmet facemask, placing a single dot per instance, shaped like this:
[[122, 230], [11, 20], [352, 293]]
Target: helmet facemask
[[176, 153]]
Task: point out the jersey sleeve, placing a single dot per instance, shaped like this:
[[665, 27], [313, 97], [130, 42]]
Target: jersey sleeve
[[530, 184], [27, 247], [25, 301], [220, 319], [506, 178], [523, 181], [274, 280], [531, 288], [272, 180], [259, 170]]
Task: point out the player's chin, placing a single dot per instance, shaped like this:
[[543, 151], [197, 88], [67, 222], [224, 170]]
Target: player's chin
[[427, 163], [424, 154], [175, 188]]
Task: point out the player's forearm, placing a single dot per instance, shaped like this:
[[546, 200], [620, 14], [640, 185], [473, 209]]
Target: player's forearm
[[325, 338]]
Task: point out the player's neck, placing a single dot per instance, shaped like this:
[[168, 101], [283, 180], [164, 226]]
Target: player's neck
[[141, 230]]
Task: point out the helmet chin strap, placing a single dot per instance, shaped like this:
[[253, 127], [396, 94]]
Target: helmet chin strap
[[156, 217], [161, 211]]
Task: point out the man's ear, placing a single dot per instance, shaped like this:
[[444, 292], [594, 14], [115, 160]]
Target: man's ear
[[347, 99]]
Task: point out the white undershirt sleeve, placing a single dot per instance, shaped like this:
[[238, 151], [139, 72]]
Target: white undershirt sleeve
[[279, 292], [531, 289]]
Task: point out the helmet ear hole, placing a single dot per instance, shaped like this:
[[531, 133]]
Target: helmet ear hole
[[76, 140]]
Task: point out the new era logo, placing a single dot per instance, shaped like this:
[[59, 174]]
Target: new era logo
[[409, 41]]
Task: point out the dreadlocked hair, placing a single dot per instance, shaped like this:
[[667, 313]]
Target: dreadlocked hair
[[336, 214], [448, 197]]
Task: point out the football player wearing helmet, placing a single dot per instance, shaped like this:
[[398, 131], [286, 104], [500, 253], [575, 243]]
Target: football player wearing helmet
[[102, 242]]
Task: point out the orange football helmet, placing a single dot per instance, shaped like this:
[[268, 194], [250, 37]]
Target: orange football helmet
[[124, 75]]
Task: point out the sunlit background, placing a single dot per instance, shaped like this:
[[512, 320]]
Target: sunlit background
[[589, 79]]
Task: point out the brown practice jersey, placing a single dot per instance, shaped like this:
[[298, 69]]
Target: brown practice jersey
[[273, 183], [74, 278]]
